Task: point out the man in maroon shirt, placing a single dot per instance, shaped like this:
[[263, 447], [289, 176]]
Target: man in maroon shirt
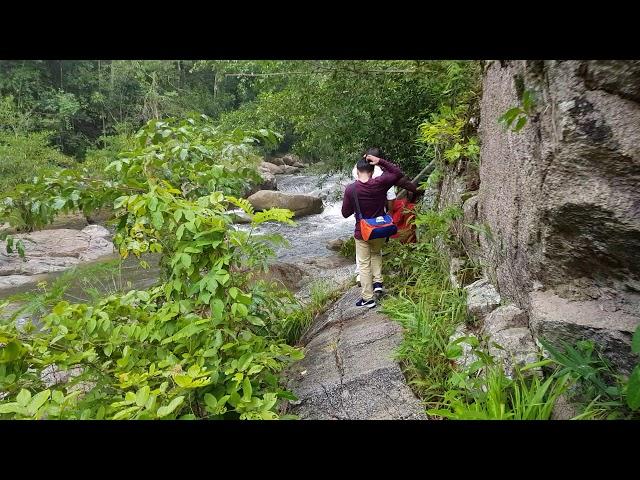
[[372, 195]]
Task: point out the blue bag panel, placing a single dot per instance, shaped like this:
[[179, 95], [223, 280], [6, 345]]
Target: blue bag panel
[[381, 220], [384, 232]]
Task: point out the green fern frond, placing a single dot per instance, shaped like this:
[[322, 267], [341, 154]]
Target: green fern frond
[[242, 203], [274, 215]]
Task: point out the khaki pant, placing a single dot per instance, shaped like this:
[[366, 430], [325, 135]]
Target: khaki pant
[[369, 257]]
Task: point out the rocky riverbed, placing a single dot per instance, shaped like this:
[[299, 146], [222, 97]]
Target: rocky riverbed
[[49, 251]]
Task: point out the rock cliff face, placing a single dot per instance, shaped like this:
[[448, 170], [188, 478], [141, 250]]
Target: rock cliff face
[[560, 199]]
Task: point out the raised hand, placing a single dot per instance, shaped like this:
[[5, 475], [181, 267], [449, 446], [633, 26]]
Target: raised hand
[[372, 159]]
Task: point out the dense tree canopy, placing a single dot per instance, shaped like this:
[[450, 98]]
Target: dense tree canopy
[[328, 110]]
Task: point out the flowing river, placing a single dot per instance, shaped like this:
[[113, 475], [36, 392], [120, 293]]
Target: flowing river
[[308, 238]]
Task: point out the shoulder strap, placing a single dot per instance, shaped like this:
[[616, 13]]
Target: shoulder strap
[[355, 197]]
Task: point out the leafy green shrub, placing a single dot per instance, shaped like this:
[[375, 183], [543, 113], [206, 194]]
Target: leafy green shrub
[[97, 160], [516, 117], [445, 134], [348, 248], [191, 154], [600, 391], [27, 155], [432, 224], [195, 346], [295, 318], [429, 308], [482, 391]]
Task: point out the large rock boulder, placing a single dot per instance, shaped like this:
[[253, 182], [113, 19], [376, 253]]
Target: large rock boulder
[[503, 318], [507, 326], [289, 170], [276, 161], [335, 272], [516, 347], [49, 251], [269, 181], [300, 204], [482, 298], [289, 275], [100, 216], [293, 160], [557, 319], [461, 273], [560, 198], [335, 244], [271, 168], [467, 357]]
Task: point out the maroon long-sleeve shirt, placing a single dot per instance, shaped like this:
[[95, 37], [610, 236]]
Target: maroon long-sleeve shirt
[[372, 195]]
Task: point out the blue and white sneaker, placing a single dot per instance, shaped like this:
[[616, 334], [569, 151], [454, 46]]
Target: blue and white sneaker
[[377, 287], [366, 303]]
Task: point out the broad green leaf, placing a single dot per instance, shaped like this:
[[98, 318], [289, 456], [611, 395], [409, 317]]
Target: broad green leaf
[[217, 309], [633, 389], [37, 401], [91, 325], [142, 396], [100, 413], [125, 413], [255, 369], [521, 122], [13, 407], [635, 341], [247, 390], [183, 381], [157, 220], [180, 232], [211, 401], [166, 410], [10, 352], [454, 351], [510, 115], [23, 397], [244, 361], [256, 321], [57, 396]]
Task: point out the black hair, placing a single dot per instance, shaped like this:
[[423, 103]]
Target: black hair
[[364, 166], [375, 151]]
